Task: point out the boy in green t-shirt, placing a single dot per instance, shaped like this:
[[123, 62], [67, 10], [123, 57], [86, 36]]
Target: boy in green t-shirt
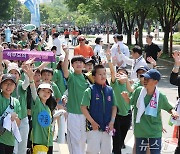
[[76, 83], [99, 107], [148, 102], [8, 84]]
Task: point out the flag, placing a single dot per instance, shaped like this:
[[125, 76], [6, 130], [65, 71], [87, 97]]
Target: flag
[[30, 6]]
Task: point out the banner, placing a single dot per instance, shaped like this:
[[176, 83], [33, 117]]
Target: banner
[[30, 5], [24, 55]]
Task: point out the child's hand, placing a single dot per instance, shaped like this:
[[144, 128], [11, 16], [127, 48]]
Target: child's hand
[[174, 114], [125, 96], [13, 116], [30, 61], [65, 49], [111, 126], [95, 126], [28, 70], [122, 77]]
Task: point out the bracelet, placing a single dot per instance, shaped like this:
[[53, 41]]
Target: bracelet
[[31, 81], [113, 119], [176, 67]]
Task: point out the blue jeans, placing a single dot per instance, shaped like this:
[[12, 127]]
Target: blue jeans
[[154, 145]]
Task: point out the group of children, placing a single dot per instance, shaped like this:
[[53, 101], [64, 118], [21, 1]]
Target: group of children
[[99, 113]]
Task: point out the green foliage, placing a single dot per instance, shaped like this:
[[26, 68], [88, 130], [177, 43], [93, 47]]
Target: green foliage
[[6, 8], [176, 38], [82, 21]]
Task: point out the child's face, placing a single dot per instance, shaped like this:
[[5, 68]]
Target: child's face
[[100, 76], [16, 73], [89, 67], [78, 66], [46, 76], [149, 83], [37, 77], [8, 87], [44, 93]]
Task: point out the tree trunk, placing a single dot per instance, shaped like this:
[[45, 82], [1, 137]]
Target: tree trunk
[[140, 27], [129, 41], [166, 40], [119, 25]]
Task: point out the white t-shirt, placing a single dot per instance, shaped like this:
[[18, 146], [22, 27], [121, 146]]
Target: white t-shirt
[[58, 44], [135, 63], [115, 55]]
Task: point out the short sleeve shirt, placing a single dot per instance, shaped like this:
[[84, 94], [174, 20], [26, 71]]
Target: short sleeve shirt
[[149, 126], [40, 134], [123, 107], [76, 84], [152, 51], [8, 138]]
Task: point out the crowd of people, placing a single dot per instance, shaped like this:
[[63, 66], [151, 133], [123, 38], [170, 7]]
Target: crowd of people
[[97, 111]]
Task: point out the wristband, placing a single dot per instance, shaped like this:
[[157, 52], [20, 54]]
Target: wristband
[[109, 61], [113, 119]]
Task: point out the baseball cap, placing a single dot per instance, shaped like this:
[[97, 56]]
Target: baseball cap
[[152, 74], [89, 60], [13, 66], [144, 68], [8, 77], [45, 85]]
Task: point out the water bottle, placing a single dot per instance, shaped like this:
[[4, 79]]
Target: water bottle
[[8, 35]]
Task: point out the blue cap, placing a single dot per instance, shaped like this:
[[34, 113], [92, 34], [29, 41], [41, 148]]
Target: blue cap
[[152, 74]]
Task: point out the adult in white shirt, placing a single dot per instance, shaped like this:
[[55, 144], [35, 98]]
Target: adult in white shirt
[[117, 60], [57, 43], [136, 62], [99, 51]]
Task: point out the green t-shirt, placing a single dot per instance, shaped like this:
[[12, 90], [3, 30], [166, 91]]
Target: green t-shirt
[[21, 95], [149, 126], [86, 100], [22, 43], [57, 93], [40, 134], [123, 107], [59, 80], [53, 65], [8, 138], [136, 85], [76, 84]]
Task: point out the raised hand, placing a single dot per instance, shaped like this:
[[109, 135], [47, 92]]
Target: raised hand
[[151, 60], [28, 70], [176, 56]]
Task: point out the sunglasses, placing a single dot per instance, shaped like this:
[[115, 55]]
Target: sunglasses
[[81, 40]]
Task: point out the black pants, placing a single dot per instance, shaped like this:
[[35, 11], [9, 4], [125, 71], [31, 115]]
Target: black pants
[[122, 125], [6, 149]]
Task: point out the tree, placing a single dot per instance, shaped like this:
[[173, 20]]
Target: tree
[[142, 10], [164, 9], [6, 8]]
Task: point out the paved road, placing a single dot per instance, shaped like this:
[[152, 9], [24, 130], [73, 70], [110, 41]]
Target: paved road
[[169, 90]]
